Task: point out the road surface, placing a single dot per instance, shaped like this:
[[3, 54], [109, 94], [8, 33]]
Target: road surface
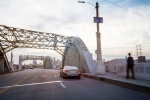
[[46, 84]]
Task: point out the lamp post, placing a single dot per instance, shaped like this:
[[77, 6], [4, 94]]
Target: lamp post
[[98, 35], [99, 54], [100, 66]]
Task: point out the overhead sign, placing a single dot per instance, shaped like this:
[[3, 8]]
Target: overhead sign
[[98, 19]]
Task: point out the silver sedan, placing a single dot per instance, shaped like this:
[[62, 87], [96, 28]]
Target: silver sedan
[[70, 71]]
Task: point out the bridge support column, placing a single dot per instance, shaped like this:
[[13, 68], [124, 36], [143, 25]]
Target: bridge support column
[[100, 67], [1, 65], [4, 64], [20, 63]]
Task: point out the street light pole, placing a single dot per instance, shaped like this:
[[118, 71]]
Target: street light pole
[[99, 55], [98, 35], [100, 68]]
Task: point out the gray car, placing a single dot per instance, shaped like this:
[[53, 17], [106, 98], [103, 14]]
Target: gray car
[[70, 71]]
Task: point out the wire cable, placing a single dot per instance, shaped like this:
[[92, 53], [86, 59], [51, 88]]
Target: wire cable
[[126, 9], [89, 17], [86, 21], [145, 2]]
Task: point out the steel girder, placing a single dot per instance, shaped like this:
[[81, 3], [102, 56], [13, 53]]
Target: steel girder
[[11, 38], [31, 57]]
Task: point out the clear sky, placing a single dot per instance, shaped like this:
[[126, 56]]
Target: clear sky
[[126, 23]]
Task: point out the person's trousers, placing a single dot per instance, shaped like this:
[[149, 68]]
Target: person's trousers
[[132, 72]]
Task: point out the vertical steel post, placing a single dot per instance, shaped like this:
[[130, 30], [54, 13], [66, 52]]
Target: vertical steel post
[[98, 35]]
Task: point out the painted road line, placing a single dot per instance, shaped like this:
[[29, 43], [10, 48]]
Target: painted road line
[[9, 87], [31, 84], [63, 85], [5, 89]]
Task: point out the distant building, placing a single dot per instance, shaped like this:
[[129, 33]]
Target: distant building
[[116, 65], [141, 59], [147, 60]]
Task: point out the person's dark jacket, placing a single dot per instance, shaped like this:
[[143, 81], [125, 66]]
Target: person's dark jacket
[[130, 62]]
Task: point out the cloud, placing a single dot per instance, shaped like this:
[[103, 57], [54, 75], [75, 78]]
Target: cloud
[[147, 29], [140, 40], [120, 32]]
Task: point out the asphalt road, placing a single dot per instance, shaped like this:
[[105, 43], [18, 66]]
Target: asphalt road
[[46, 84]]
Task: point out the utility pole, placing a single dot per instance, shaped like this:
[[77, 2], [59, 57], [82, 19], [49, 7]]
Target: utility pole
[[140, 50], [100, 68], [99, 54], [137, 51]]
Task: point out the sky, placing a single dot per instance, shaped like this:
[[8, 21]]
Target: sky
[[126, 23]]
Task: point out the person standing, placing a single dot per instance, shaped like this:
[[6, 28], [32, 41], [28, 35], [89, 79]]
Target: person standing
[[130, 66]]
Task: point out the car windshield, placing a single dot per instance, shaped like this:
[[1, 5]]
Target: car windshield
[[70, 67]]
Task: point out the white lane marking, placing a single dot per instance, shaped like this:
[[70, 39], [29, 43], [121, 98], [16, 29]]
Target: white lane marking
[[34, 84], [63, 85]]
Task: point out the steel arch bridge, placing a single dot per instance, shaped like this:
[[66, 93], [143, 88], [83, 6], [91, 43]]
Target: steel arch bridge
[[47, 60], [11, 38]]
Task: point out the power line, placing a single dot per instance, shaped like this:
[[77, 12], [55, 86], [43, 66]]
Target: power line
[[87, 20], [144, 2], [102, 1], [126, 9], [89, 17]]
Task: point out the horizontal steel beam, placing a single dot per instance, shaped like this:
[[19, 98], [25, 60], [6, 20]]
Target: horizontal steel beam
[[11, 38]]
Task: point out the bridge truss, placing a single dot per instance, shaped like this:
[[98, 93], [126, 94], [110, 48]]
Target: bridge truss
[[72, 49], [47, 60], [31, 57], [11, 38]]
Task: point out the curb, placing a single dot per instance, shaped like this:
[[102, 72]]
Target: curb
[[136, 87]]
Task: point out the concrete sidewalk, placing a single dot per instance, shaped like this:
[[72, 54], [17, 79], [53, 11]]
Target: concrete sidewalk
[[120, 80]]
